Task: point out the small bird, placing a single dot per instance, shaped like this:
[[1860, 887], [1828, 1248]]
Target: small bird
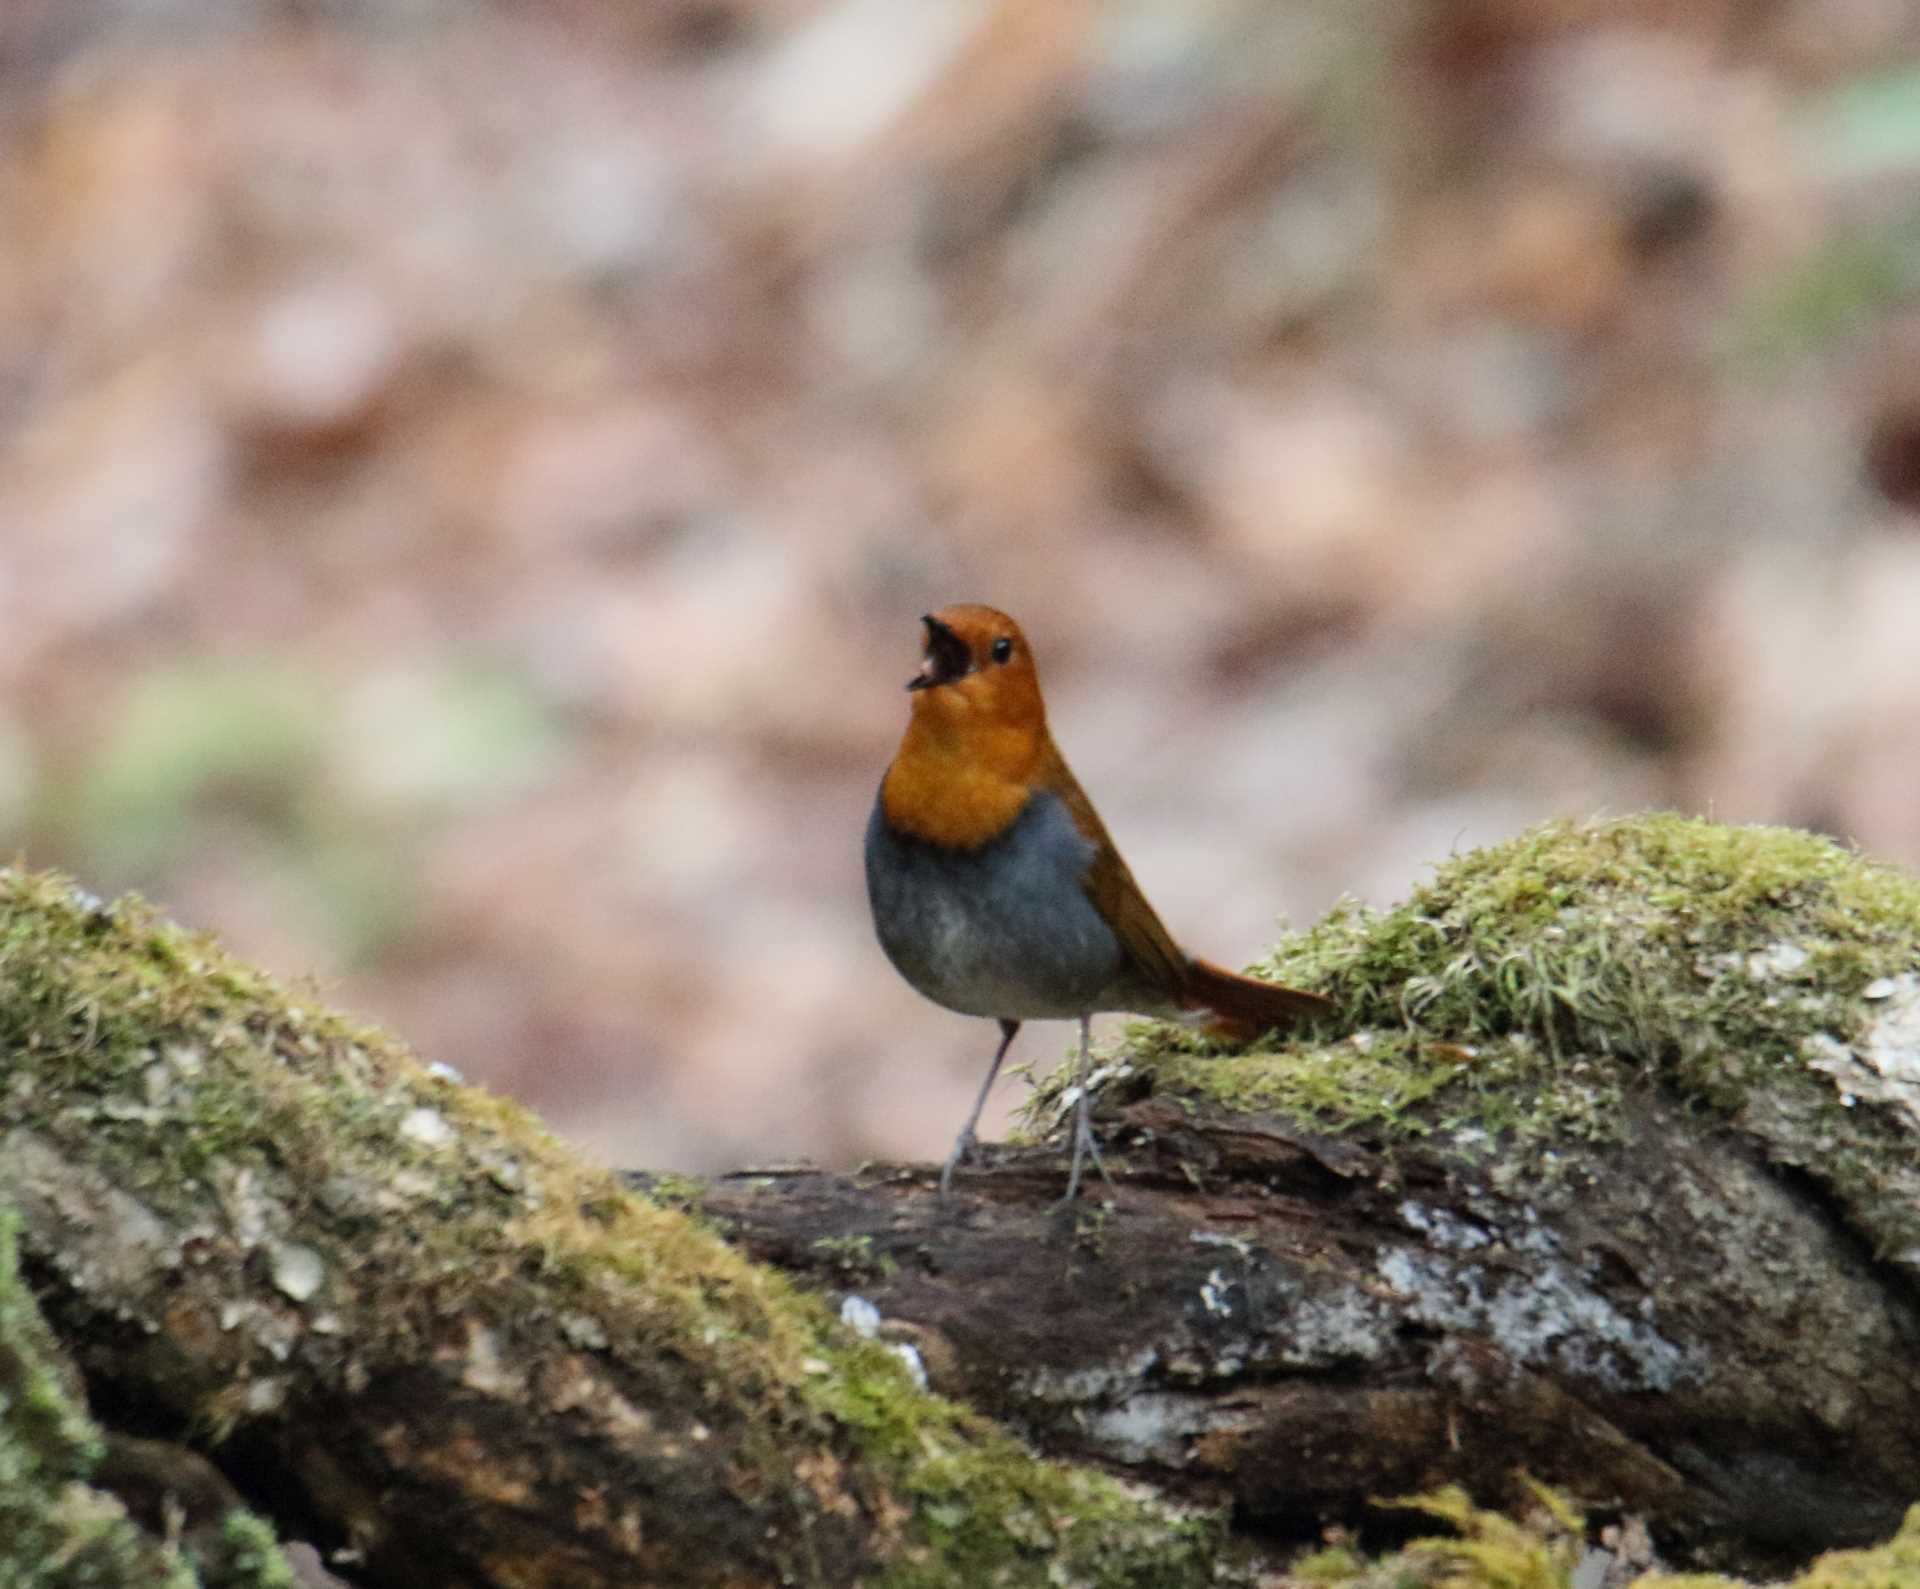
[[995, 888]]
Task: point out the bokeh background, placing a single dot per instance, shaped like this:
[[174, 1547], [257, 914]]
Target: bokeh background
[[469, 476]]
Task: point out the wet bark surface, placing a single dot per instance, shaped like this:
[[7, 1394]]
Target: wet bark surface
[[1671, 1326]]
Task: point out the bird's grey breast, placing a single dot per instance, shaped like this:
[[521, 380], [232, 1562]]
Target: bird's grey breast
[[1005, 930]]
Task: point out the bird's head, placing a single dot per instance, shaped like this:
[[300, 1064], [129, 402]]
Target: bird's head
[[978, 733], [976, 674]]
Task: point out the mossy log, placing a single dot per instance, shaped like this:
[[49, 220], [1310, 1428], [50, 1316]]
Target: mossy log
[[411, 1327], [1605, 1169], [1609, 1171], [1673, 1332]]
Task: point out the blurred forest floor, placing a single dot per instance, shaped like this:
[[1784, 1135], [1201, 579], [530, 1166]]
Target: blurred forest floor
[[469, 476]]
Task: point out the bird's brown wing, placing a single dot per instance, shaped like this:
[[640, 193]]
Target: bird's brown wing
[[1159, 961], [1246, 1005]]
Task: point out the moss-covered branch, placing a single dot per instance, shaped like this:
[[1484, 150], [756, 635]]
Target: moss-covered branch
[[1607, 1165], [466, 1355], [1606, 1168], [1516, 1003]]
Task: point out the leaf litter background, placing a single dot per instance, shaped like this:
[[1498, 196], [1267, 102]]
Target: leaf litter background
[[469, 476]]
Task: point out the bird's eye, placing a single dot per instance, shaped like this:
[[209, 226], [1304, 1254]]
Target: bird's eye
[[1002, 649]]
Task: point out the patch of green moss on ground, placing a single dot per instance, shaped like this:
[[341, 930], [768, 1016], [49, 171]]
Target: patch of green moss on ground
[[1521, 993], [195, 1080], [246, 1555], [47, 1448], [1489, 1550], [1894, 1565], [990, 1513], [55, 1531]]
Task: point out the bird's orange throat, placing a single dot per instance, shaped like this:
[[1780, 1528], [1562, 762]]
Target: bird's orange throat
[[962, 775]]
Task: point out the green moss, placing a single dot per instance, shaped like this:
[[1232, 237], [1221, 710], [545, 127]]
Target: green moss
[[194, 1082], [55, 1531], [1485, 1550], [250, 736], [1489, 1550], [219, 743], [41, 1408], [1492, 1551], [1513, 1002], [1517, 999], [247, 1556], [1894, 1565], [688, 1193], [852, 1258], [1629, 937], [988, 1513]]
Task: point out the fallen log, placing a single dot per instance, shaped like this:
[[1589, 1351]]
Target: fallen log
[[1605, 1170], [409, 1326], [1613, 1178]]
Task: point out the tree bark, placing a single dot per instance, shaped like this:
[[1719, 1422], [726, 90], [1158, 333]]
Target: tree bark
[[1298, 1325]]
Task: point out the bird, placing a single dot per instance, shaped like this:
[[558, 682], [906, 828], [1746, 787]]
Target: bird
[[996, 890]]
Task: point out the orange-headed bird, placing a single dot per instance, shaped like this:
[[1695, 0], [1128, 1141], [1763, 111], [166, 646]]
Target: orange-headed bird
[[995, 888]]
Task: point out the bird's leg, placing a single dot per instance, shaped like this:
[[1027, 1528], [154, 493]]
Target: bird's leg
[[965, 1142], [1084, 1147]]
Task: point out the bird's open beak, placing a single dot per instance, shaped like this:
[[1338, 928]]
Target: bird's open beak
[[947, 657]]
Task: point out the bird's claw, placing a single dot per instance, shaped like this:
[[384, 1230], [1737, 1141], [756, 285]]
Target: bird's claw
[[964, 1148], [1085, 1146]]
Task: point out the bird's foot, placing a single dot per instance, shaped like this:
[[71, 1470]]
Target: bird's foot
[[1085, 1146], [965, 1147]]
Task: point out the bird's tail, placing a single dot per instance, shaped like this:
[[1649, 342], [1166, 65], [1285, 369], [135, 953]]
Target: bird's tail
[[1246, 1006]]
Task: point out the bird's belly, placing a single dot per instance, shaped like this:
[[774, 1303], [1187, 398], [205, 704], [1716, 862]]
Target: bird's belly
[[1006, 930]]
